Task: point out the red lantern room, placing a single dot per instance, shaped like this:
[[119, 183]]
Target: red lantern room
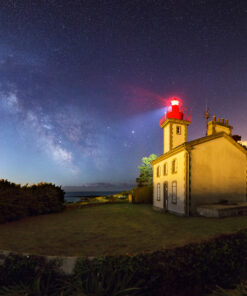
[[174, 110]]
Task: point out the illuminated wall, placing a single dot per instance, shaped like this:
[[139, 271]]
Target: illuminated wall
[[218, 127], [218, 172], [171, 137], [179, 177]]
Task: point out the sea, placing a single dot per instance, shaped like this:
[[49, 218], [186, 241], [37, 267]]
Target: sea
[[76, 196]]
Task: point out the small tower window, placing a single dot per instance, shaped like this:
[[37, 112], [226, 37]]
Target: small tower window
[[158, 171], [174, 166], [174, 192], [158, 191], [165, 169], [178, 130]]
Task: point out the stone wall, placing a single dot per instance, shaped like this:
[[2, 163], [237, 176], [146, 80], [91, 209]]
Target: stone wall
[[67, 263]]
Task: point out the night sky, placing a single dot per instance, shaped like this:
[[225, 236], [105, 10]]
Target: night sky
[[83, 83]]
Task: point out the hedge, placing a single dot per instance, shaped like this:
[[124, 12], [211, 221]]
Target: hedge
[[189, 270], [142, 194], [192, 270], [18, 201]]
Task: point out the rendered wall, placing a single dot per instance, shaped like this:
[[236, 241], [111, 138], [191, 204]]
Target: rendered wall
[[218, 172], [178, 139], [220, 128], [166, 138], [216, 127], [170, 138], [180, 177]]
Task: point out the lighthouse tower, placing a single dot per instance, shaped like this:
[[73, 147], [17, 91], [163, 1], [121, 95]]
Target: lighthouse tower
[[174, 125]]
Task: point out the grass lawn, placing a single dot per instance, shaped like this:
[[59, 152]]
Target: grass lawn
[[110, 230]]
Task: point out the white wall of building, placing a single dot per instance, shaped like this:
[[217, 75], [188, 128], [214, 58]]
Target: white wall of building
[[178, 139], [218, 172], [166, 138], [171, 139], [179, 177]]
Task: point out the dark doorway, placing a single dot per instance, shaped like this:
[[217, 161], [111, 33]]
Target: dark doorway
[[165, 197]]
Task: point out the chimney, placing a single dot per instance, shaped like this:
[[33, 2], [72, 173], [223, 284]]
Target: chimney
[[218, 125]]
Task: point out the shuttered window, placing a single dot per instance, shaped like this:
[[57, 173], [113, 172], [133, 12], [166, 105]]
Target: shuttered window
[[158, 191], [165, 169], [174, 166], [174, 192], [158, 171]]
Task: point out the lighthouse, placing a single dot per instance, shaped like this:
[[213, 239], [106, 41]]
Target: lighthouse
[[174, 125], [192, 178]]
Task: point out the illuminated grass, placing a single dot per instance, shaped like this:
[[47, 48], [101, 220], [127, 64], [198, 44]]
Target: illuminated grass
[[110, 230]]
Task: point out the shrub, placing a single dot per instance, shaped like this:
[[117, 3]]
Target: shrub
[[17, 202], [106, 277], [180, 271], [239, 290], [142, 195], [194, 269], [30, 275]]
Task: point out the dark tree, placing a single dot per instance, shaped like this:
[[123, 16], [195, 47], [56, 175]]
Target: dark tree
[[146, 171]]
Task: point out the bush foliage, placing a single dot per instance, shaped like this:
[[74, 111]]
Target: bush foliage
[[18, 201], [239, 290], [142, 195], [146, 172], [191, 270], [29, 276]]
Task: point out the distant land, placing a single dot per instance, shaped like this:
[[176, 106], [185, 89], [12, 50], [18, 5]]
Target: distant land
[[101, 186]]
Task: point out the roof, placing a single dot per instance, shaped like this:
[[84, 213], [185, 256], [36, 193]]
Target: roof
[[190, 144]]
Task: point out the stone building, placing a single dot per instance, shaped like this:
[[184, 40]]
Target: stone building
[[208, 170]]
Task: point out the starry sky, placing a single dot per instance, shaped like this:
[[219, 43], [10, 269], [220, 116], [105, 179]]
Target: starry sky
[[83, 84]]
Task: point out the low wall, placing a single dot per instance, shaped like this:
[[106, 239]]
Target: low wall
[[67, 263], [218, 261], [220, 211]]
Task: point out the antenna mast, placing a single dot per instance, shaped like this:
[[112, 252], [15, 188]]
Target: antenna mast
[[206, 116]]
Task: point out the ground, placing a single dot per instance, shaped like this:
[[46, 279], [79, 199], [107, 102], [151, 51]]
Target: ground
[[110, 229]]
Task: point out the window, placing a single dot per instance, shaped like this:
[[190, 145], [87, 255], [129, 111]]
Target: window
[[158, 191], [178, 130], [158, 171], [174, 166], [174, 192], [165, 169]]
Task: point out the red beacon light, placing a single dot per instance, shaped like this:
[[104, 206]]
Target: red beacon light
[[174, 111]]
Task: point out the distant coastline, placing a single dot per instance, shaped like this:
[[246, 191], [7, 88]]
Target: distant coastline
[[76, 196]]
